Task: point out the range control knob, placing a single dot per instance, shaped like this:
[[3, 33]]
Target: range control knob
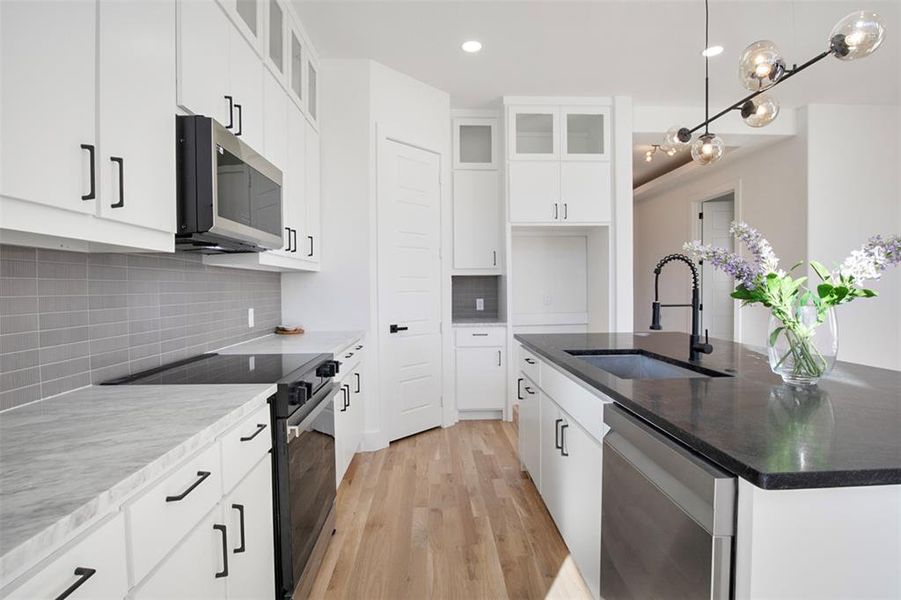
[[327, 369], [299, 393]]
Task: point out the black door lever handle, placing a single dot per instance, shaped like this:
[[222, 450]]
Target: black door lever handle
[[395, 328]]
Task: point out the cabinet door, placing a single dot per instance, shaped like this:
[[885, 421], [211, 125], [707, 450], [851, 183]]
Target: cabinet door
[[196, 569], [97, 561], [312, 90], [356, 409], [580, 467], [297, 60], [534, 189], [246, 84], [551, 487], [533, 133], [342, 432], [247, 16], [47, 102], [294, 184], [530, 428], [275, 38], [311, 196], [585, 133], [585, 192], [475, 143], [250, 548], [477, 220], [203, 70], [275, 121], [480, 379], [137, 85]]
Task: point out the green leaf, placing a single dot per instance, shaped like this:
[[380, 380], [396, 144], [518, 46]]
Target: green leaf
[[840, 293], [741, 293], [774, 335], [865, 293], [820, 270], [824, 290], [796, 265]]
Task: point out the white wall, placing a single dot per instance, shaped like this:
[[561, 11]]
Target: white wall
[[357, 98], [854, 157], [770, 194]]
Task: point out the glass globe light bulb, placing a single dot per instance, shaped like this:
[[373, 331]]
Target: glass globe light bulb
[[672, 139], [761, 65], [760, 111], [857, 35], [707, 149]]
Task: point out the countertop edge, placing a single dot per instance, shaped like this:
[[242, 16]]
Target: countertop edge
[[766, 481], [29, 553]]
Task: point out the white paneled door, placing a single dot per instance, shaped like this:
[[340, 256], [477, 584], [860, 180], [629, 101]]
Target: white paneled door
[[409, 264], [718, 307]]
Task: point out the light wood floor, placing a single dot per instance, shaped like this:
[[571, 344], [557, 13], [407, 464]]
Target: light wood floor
[[445, 514]]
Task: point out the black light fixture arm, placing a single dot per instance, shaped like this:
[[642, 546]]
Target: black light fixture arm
[[685, 133]]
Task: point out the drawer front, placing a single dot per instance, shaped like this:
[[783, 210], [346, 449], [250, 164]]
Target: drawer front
[[349, 358], [244, 446], [586, 407], [529, 364], [479, 336], [171, 508], [92, 568]]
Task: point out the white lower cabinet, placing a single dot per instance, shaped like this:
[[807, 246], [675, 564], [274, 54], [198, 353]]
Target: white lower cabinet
[[348, 407], [564, 461], [92, 567], [481, 378]]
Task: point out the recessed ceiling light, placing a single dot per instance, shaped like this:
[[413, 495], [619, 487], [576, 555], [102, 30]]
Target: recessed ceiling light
[[712, 51], [472, 46]]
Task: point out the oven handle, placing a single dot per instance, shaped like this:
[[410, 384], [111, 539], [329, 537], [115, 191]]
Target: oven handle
[[320, 402]]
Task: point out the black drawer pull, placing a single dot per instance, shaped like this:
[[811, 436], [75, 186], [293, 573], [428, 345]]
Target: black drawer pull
[[310, 237], [348, 355], [519, 389], [83, 574], [344, 404], [224, 571], [294, 239], [563, 439], [201, 476], [231, 110], [557, 443], [240, 509], [288, 237], [347, 387], [529, 390], [359, 387], [360, 347], [530, 361], [480, 335], [93, 193], [119, 161], [240, 120], [260, 427]]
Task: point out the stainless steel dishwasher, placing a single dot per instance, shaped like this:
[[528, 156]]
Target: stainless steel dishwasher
[[667, 517]]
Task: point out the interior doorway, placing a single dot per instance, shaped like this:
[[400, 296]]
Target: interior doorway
[[718, 307]]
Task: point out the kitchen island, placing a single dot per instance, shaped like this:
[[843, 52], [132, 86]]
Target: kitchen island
[[818, 509]]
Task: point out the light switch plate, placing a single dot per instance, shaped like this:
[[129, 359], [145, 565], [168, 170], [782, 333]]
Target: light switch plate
[[480, 304]]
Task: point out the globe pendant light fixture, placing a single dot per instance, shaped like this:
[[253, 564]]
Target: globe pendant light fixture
[[762, 67]]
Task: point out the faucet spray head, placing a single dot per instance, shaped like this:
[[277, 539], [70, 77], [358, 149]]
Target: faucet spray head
[[655, 316]]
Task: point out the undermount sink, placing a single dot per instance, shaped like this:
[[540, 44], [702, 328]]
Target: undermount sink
[[637, 364]]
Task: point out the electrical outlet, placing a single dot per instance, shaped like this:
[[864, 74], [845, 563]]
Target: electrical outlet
[[548, 300], [480, 304], [250, 317]]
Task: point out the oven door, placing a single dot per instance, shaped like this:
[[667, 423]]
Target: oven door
[[247, 193], [311, 478]]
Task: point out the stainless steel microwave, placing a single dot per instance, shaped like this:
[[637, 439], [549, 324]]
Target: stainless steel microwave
[[229, 196]]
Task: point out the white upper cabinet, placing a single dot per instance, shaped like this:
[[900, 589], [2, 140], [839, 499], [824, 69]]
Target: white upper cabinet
[[275, 43], [312, 90], [137, 155], [534, 189], [478, 234], [203, 75], [47, 104], [297, 60], [585, 192], [475, 143], [275, 122], [586, 133], [313, 225], [247, 16], [246, 86], [534, 133]]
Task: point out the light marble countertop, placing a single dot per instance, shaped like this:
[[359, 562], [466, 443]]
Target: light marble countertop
[[311, 341], [479, 323], [66, 461]]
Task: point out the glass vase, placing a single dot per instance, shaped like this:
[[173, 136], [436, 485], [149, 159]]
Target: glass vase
[[802, 346]]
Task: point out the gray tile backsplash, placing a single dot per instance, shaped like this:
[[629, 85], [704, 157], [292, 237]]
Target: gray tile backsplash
[[69, 319], [467, 288]]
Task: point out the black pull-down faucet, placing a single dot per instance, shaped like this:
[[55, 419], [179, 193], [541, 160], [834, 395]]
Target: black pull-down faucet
[[695, 347]]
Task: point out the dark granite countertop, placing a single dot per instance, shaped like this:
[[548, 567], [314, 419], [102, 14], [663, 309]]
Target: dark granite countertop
[[844, 432]]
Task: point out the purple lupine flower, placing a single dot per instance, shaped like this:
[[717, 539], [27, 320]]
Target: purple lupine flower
[[738, 268], [765, 260], [874, 257]]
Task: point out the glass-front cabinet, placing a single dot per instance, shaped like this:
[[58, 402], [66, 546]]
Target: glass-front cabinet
[[312, 91], [534, 133], [248, 18], [585, 133], [297, 61], [475, 143], [275, 46]]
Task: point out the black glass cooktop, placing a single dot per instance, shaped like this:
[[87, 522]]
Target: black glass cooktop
[[228, 368]]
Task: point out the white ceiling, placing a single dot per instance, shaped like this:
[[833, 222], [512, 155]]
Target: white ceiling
[[649, 50]]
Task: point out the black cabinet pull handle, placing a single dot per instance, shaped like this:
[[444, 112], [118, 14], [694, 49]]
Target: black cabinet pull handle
[[530, 361], [563, 439], [93, 193], [529, 391], [260, 428], [240, 509], [119, 161], [360, 347], [288, 237], [294, 239], [395, 328], [347, 386], [565, 210], [557, 443], [498, 358], [344, 393], [224, 571], [556, 211], [348, 355], [231, 110], [519, 389], [359, 387], [240, 120], [310, 237], [83, 574], [480, 335], [494, 257], [201, 476]]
